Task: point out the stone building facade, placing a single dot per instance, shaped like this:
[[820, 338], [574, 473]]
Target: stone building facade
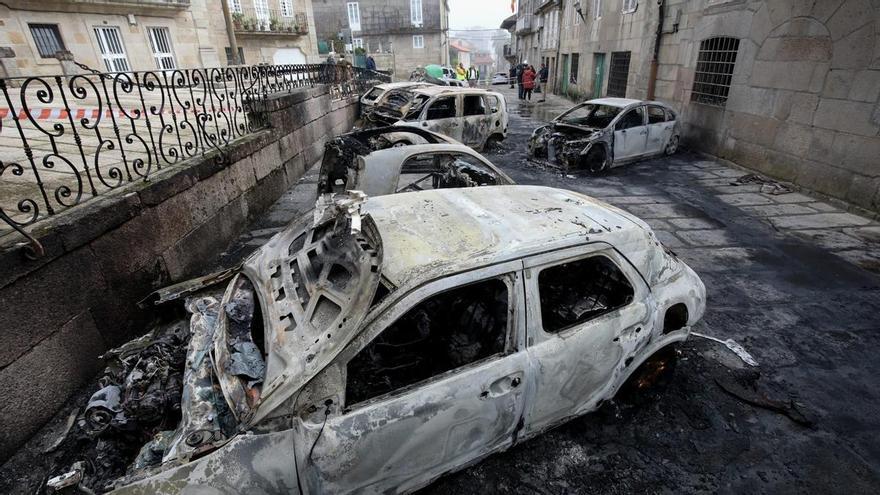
[[152, 34], [790, 88], [400, 34]]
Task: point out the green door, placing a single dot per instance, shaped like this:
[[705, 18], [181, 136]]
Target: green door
[[565, 69], [598, 74]]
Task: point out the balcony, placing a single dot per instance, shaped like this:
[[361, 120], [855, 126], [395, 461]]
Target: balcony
[[525, 24], [170, 4], [269, 22]]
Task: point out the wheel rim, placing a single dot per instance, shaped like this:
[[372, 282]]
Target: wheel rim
[[672, 146]]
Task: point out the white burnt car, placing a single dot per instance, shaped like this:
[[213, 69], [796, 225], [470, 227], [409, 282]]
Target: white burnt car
[[377, 162], [475, 117], [606, 132], [411, 335]]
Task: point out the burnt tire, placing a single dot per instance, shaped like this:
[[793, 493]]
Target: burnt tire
[[651, 378], [595, 161], [493, 142], [671, 146]]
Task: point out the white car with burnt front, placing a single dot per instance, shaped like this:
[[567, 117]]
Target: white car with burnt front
[[375, 346], [475, 117], [378, 162], [606, 132]]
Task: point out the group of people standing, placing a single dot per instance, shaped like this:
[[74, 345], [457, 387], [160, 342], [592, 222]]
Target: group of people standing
[[528, 79], [471, 74]]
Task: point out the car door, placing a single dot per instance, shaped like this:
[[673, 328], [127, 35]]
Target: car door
[[630, 134], [659, 130], [585, 308], [433, 382], [442, 115], [476, 120]]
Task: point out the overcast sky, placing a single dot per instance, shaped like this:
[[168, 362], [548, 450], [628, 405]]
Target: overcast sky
[[464, 14]]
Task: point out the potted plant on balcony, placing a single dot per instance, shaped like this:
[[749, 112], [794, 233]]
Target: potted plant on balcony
[[274, 24], [237, 20]]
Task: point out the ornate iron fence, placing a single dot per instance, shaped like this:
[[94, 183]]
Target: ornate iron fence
[[67, 138]]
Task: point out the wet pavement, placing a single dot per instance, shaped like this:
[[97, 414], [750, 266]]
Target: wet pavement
[[790, 277]]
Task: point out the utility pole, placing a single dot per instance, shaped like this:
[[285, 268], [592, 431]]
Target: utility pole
[[230, 32]]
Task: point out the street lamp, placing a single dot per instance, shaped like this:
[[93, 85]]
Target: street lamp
[[577, 8]]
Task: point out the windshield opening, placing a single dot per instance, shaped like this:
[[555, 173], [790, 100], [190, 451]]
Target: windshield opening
[[590, 115], [415, 108], [373, 94]]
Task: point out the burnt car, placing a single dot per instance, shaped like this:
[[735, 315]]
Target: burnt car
[[475, 117], [603, 133], [376, 345], [376, 95], [377, 162]]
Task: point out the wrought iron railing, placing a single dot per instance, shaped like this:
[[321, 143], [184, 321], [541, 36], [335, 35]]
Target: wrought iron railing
[[65, 139]]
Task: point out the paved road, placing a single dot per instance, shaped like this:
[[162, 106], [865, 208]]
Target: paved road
[[790, 277]]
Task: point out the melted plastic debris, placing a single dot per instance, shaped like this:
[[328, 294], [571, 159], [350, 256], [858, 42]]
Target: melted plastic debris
[[734, 346]]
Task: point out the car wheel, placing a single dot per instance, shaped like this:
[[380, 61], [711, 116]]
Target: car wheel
[[595, 159], [651, 377], [493, 141], [672, 145]]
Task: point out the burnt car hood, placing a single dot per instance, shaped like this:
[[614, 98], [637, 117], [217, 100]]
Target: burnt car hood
[[315, 282]]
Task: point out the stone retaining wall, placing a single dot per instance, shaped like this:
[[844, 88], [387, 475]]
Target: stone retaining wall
[[60, 312]]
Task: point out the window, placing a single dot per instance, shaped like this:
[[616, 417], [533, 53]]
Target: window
[[357, 42], [443, 108], [630, 6], [494, 105], [160, 43], [415, 12], [656, 115], [714, 71], [575, 63], [354, 16], [581, 290], [287, 8], [235, 6], [444, 171], [619, 74], [261, 9], [47, 38], [418, 41], [633, 118], [445, 332], [229, 60], [112, 50], [474, 105], [597, 9]]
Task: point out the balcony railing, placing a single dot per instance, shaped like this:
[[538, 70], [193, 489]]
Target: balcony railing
[[68, 138], [525, 23], [269, 21], [173, 4]]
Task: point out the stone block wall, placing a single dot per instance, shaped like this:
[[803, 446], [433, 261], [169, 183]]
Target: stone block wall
[[62, 311]]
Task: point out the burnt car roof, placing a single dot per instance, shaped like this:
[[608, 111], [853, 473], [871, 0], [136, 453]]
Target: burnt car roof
[[430, 233]]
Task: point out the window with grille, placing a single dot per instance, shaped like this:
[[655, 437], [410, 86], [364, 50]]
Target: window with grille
[[630, 6], [714, 71], [235, 6], [112, 49], [415, 9], [47, 38], [160, 43], [618, 75], [354, 16], [229, 60], [287, 8]]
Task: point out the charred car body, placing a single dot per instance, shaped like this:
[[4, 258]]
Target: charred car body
[[376, 95], [374, 162], [474, 117], [606, 132], [375, 346]]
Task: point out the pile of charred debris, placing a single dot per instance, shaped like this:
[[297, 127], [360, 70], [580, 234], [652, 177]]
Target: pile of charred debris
[[158, 399]]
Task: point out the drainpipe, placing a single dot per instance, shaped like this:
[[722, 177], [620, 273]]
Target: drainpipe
[[230, 32], [652, 78]]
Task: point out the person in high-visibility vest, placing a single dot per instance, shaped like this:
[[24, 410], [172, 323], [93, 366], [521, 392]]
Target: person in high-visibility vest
[[460, 73]]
